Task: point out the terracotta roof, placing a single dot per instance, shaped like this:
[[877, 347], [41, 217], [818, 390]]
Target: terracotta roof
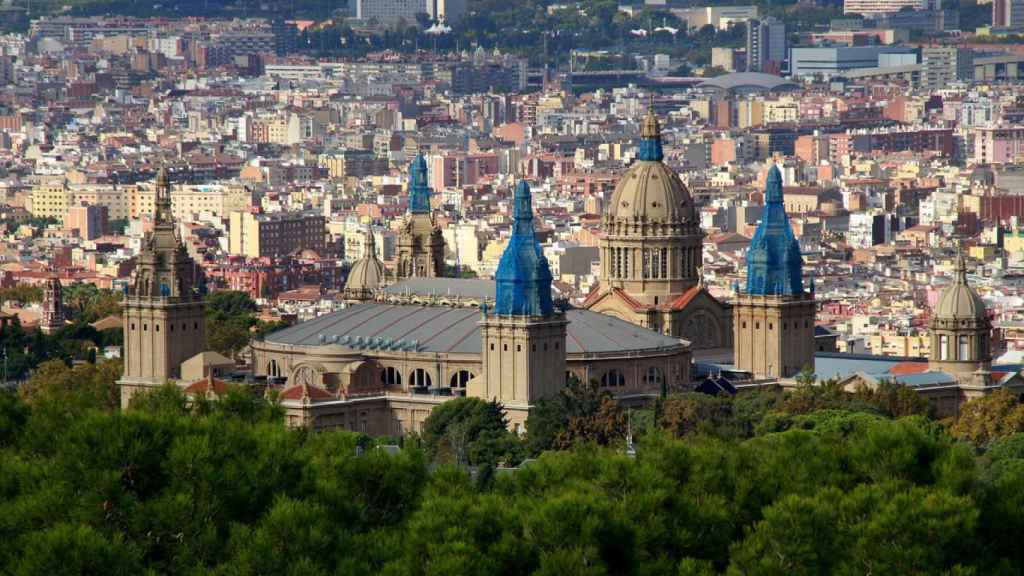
[[201, 387], [296, 393], [904, 368], [683, 299]]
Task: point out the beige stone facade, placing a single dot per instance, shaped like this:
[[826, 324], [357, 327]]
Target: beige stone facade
[[384, 391], [163, 311], [774, 335], [138, 200], [420, 248]]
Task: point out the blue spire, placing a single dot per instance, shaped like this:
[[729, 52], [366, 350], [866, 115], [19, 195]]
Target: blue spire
[[774, 264], [419, 191], [523, 278], [650, 139]]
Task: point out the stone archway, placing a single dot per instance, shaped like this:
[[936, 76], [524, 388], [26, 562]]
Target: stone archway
[[702, 330]]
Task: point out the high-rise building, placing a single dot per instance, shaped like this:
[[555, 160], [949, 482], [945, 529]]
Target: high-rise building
[[450, 11], [876, 7], [942, 66], [766, 45], [524, 336], [277, 234], [1008, 13], [163, 309], [773, 318], [420, 243]]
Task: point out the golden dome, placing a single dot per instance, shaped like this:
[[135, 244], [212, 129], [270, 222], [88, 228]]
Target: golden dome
[[650, 191]]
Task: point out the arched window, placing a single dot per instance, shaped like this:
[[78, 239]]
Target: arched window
[[419, 378], [390, 376], [654, 376], [460, 378], [613, 378], [273, 370]]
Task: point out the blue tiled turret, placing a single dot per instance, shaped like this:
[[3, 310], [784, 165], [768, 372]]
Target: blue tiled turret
[[523, 278], [419, 190], [774, 264]]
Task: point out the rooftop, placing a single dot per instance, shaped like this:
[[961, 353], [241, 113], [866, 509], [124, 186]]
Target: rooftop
[[445, 330]]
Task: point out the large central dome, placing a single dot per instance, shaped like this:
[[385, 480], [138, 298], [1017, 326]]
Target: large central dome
[[650, 191], [652, 242]]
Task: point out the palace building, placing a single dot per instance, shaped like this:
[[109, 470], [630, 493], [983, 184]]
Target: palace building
[[381, 366], [651, 253]]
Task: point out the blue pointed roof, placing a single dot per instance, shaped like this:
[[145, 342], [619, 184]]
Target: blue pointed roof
[[774, 264], [523, 278], [419, 190]]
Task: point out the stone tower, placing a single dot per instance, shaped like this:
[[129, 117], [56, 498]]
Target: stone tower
[[524, 335], [420, 243], [53, 307], [651, 253], [164, 320], [960, 329], [773, 319]]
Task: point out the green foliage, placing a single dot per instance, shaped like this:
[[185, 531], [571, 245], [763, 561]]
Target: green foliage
[[989, 418], [470, 431], [231, 322], [580, 413], [22, 293], [173, 487]]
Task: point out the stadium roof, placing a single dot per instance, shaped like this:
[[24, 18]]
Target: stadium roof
[[748, 82]]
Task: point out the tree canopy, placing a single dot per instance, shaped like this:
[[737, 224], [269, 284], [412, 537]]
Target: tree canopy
[[771, 482]]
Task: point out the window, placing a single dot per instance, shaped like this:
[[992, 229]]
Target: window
[[519, 348], [145, 327], [504, 347], [944, 347], [460, 378], [492, 346], [133, 325], [965, 348], [613, 378], [556, 345], [771, 326], [390, 376], [419, 378], [744, 324], [757, 325], [156, 327], [654, 376]]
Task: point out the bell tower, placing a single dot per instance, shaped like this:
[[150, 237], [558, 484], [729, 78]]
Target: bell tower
[[164, 319], [420, 243], [524, 335], [773, 319], [53, 307]]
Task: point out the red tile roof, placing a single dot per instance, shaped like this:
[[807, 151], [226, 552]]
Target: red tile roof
[[201, 387], [296, 393]]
